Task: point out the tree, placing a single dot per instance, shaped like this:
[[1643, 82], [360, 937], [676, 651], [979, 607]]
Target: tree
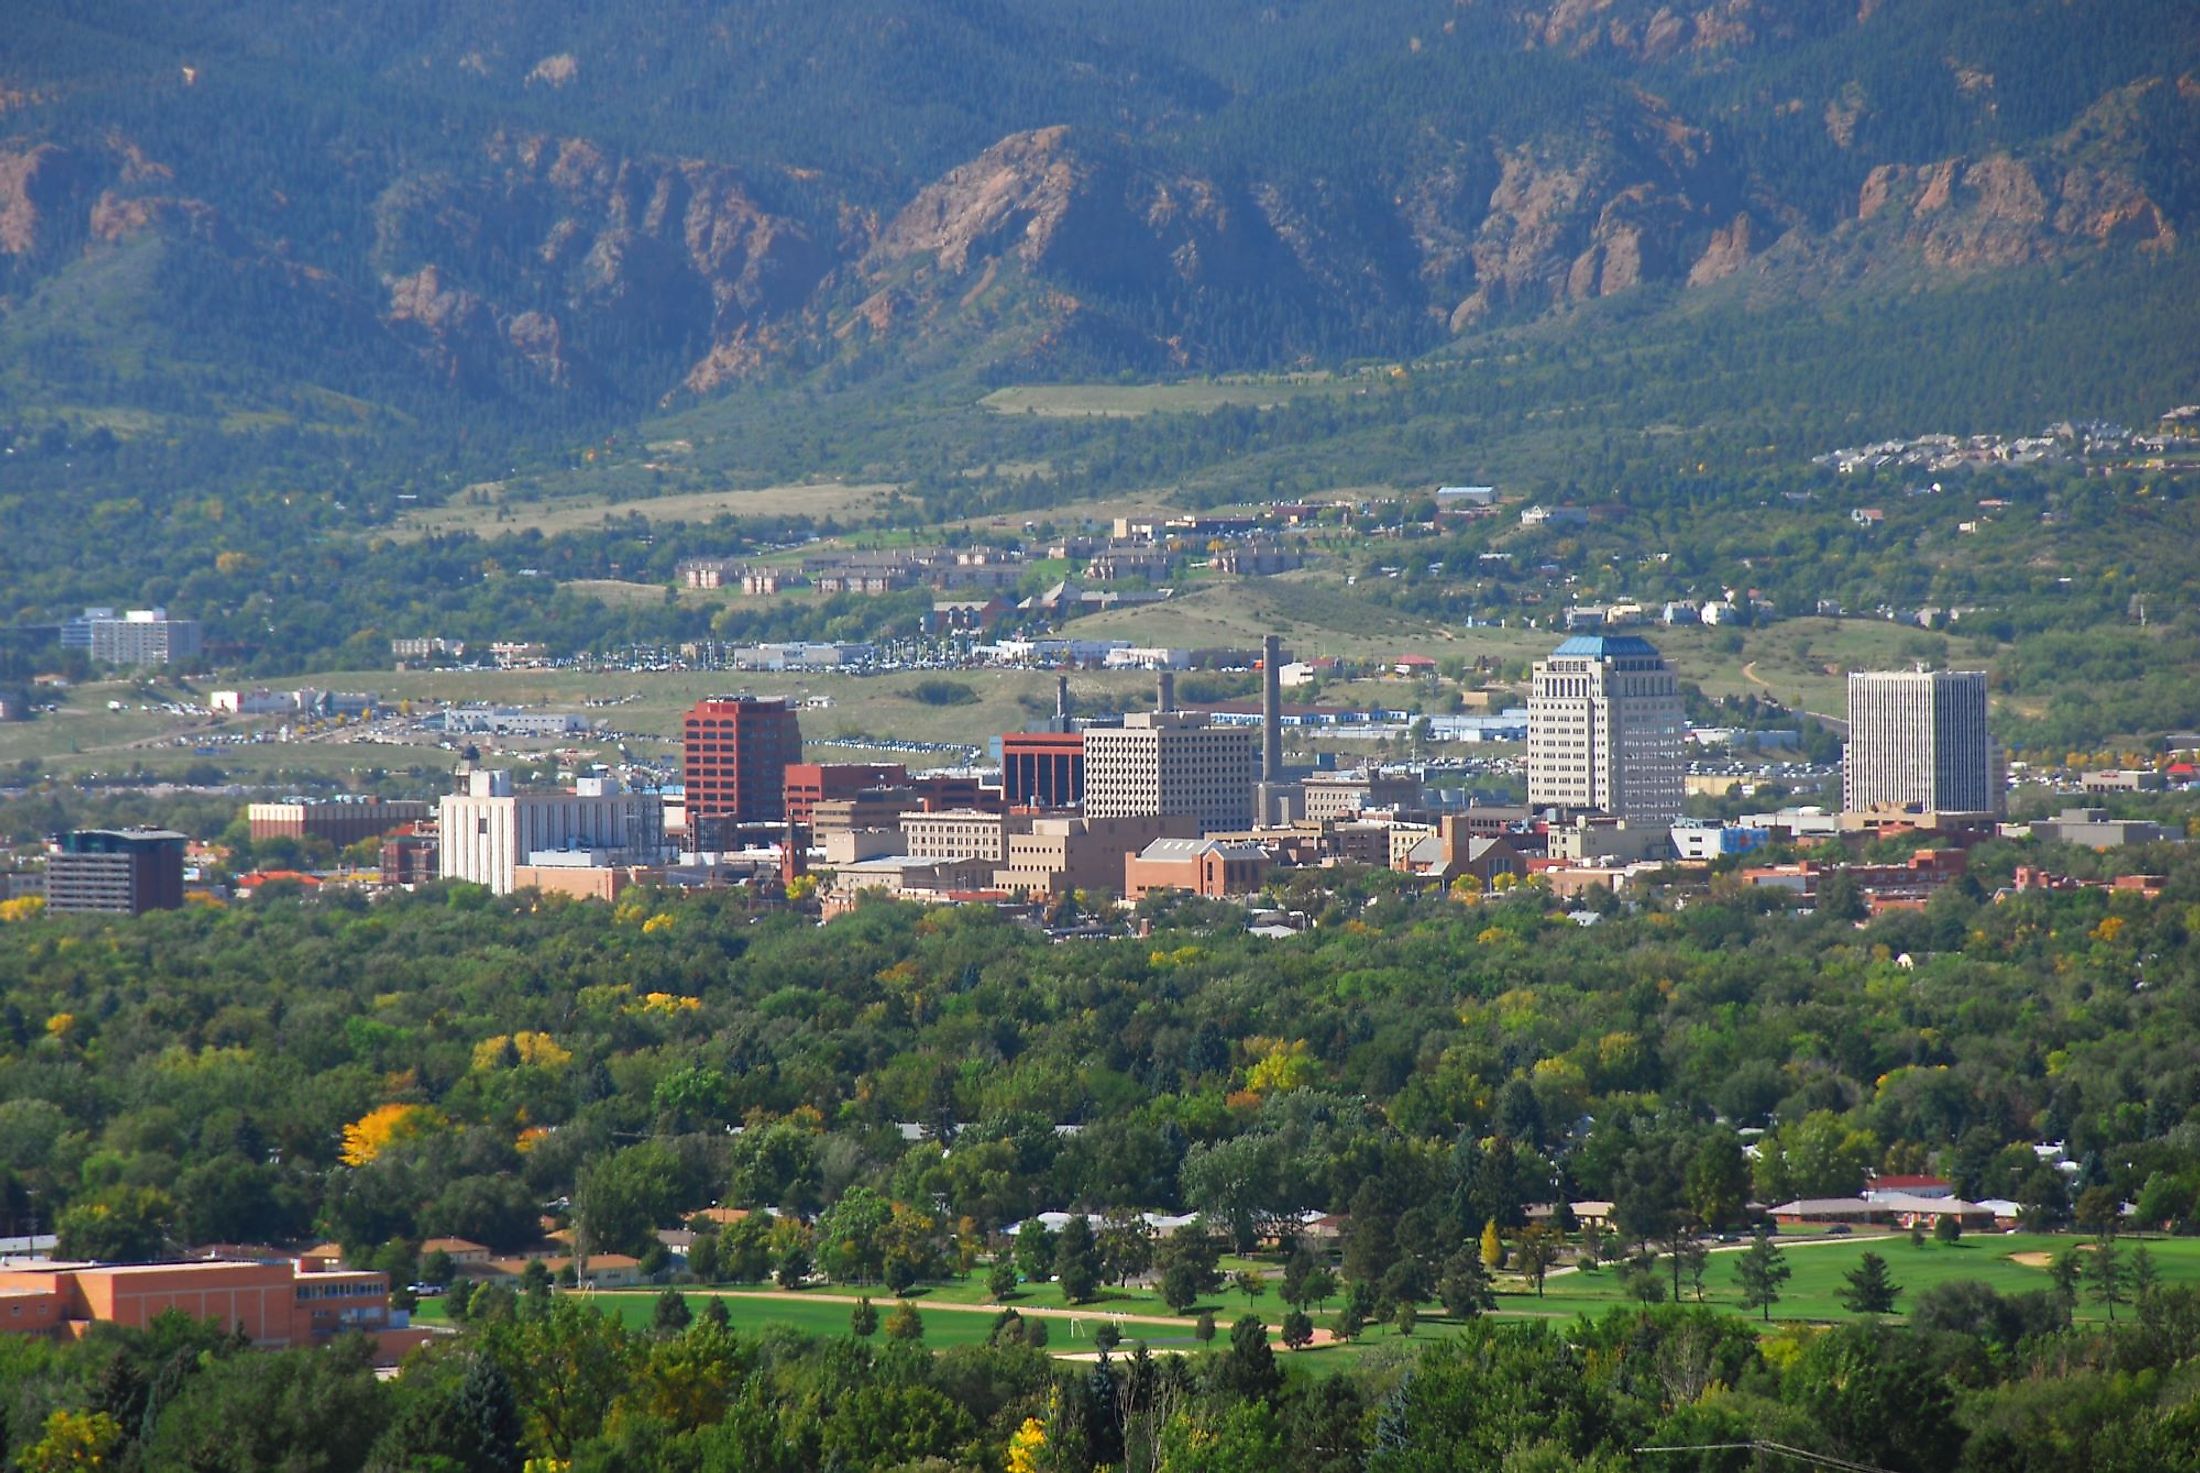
[[1691, 1258], [1639, 1277], [1409, 1315], [672, 1314], [1869, 1288], [1250, 1283], [792, 1269], [1493, 1247], [1190, 1267], [1718, 1180], [1000, 1280], [2063, 1271], [1204, 1329], [1947, 1229], [1077, 1260], [904, 1323], [1298, 1330], [2108, 1277], [70, 1441], [1536, 1254], [1464, 1287], [1034, 1252], [1248, 1370], [2146, 1277], [1761, 1271], [863, 1319]]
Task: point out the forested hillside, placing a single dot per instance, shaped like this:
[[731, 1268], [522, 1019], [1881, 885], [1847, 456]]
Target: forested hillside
[[561, 212]]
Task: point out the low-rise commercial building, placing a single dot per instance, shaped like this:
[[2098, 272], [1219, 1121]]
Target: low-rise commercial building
[[1061, 854], [276, 1306], [1214, 868]]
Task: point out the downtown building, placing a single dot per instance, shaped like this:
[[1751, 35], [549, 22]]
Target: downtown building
[[1605, 731], [1172, 764], [735, 752], [1918, 740], [488, 834]]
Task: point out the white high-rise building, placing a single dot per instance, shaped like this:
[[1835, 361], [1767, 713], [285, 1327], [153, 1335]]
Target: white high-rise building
[[1172, 764], [1918, 739], [1605, 730], [488, 831]]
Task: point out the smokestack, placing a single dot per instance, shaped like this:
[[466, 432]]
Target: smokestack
[[1061, 703], [1271, 708], [1165, 691]]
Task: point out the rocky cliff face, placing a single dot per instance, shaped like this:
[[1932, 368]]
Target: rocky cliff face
[[559, 262]]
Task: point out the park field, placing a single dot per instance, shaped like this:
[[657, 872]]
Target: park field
[[958, 1312]]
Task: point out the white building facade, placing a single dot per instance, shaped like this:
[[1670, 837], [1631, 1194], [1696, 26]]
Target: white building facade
[[1918, 739], [1172, 764], [488, 831]]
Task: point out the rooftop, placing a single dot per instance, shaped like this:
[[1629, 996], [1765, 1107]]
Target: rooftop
[[1606, 646]]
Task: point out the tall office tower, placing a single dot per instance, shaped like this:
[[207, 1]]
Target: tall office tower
[[1172, 763], [735, 758], [1605, 730], [120, 871], [1918, 739]]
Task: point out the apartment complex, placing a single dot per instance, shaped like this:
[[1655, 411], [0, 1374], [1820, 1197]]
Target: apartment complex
[[1605, 730], [1172, 764], [116, 871], [489, 831], [1918, 739], [137, 637], [735, 755]]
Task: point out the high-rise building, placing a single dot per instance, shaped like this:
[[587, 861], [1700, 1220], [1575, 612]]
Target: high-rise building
[[1172, 763], [1918, 739], [487, 832], [735, 757], [138, 637], [1605, 730], [117, 871], [1043, 769]]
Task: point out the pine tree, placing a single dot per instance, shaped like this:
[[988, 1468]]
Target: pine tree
[[1762, 1270], [672, 1314], [1870, 1289], [487, 1430], [2108, 1277]]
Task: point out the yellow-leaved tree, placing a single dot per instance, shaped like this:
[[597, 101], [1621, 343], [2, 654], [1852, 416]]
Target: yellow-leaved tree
[[385, 1126], [1025, 1445]]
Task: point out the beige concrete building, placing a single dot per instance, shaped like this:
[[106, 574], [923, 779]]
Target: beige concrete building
[[960, 833], [1175, 764], [1605, 730], [1918, 740], [1334, 795], [1057, 855]]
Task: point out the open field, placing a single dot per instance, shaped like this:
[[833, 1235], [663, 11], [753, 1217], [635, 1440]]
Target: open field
[[489, 511], [1191, 396], [1315, 613], [1810, 658], [958, 1312]]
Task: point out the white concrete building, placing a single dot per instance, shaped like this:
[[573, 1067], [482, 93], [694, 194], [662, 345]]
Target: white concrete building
[[1918, 739], [488, 831], [1605, 731], [1172, 763]]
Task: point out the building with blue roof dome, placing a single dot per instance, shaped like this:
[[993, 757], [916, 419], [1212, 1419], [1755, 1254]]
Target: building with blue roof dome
[[1605, 730]]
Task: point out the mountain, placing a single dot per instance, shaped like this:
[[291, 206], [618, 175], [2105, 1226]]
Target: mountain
[[392, 207]]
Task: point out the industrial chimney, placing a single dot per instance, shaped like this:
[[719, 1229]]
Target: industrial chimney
[[1061, 703], [1165, 691], [1271, 708]]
